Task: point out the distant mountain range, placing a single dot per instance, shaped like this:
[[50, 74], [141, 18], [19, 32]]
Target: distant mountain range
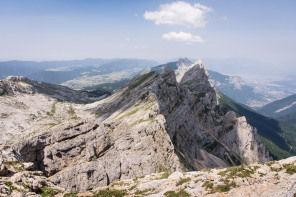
[[112, 74], [234, 87], [26, 68], [282, 109], [77, 74]]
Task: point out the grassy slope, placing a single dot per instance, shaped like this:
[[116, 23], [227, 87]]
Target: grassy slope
[[271, 132]]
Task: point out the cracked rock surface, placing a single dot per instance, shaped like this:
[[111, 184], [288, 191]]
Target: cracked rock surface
[[154, 124]]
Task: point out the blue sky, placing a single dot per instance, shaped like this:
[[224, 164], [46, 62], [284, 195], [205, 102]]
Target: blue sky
[[68, 29]]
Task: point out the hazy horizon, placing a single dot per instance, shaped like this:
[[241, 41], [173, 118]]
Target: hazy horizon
[[158, 30]]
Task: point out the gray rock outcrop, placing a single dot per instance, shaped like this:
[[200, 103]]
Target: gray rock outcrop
[[2, 167], [154, 124]]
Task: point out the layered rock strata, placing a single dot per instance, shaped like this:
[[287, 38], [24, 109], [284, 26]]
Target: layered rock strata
[[154, 124]]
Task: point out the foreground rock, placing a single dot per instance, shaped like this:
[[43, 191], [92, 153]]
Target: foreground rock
[[152, 125], [18, 181], [273, 179]]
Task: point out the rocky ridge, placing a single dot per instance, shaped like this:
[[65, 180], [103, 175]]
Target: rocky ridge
[[154, 124], [272, 179], [14, 85], [29, 107]]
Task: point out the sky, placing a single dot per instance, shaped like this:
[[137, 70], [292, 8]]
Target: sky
[[153, 29]]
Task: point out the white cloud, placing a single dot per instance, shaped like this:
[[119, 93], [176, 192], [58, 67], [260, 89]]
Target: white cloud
[[180, 13], [182, 36]]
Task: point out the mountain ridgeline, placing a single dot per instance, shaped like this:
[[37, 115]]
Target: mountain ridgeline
[[156, 123], [231, 86], [277, 135]]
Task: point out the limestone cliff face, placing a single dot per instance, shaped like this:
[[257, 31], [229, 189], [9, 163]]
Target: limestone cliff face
[[233, 133], [153, 124], [29, 107]]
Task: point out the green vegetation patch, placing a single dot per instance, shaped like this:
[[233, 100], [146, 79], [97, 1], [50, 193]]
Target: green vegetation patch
[[143, 192], [140, 80], [9, 163], [227, 186], [16, 165], [11, 187], [181, 181], [270, 163], [208, 185], [110, 193], [53, 109], [130, 113], [290, 168], [164, 175], [24, 185], [72, 113], [199, 96], [121, 183], [48, 191], [224, 188], [181, 193], [8, 184], [133, 187], [152, 119], [238, 171], [74, 194]]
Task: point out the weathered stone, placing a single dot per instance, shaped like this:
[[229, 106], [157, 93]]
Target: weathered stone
[[154, 124], [276, 166], [2, 167], [28, 165], [17, 194], [4, 190], [211, 178], [197, 184]]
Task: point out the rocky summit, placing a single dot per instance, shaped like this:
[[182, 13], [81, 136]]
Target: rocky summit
[[155, 124]]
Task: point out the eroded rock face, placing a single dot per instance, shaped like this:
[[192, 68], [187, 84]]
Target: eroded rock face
[[261, 180], [154, 124], [86, 155], [232, 132], [2, 167]]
